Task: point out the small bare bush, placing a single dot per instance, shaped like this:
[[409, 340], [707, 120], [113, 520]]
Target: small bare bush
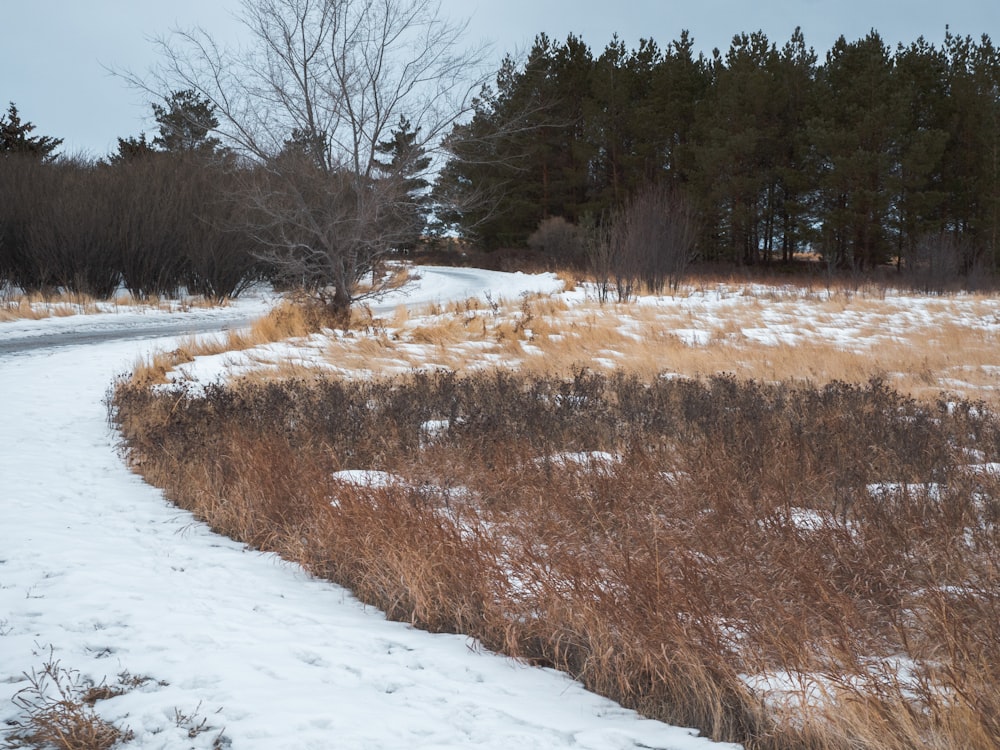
[[652, 241], [58, 708], [558, 240]]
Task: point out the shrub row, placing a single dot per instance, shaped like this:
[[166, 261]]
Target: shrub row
[[153, 224]]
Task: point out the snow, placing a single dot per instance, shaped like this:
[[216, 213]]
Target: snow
[[597, 460], [367, 478], [725, 319], [125, 318], [99, 572]]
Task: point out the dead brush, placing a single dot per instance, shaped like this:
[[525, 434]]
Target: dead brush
[[443, 332], [38, 305], [290, 319], [20, 308], [154, 368], [781, 565], [58, 712]]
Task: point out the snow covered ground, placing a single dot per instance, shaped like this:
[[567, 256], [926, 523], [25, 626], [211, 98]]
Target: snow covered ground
[[922, 344], [99, 573]]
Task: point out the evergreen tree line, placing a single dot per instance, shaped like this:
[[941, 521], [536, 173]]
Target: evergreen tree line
[[634, 162], [871, 156]]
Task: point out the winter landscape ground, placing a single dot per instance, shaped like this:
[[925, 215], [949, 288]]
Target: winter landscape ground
[[106, 583], [102, 582]]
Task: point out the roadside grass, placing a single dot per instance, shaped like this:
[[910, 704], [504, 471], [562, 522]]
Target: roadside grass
[[787, 565], [36, 306], [287, 320], [16, 305]]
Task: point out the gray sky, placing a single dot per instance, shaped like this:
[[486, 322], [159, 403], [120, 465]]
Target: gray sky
[[53, 53]]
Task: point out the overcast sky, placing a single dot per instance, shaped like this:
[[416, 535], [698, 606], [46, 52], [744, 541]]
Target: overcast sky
[[54, 53]]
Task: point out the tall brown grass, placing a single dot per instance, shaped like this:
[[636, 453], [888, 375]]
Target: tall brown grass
[[780, 565], [36, 306], [288, 320]]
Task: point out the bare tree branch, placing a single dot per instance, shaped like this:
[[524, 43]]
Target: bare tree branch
[[307, 101]]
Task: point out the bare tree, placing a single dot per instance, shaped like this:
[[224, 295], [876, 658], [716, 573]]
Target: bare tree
[[308, 100]]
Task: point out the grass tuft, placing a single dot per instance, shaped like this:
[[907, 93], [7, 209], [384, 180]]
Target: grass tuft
[[58, 708]]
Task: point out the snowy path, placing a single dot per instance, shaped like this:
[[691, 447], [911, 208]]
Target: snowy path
[[95, 565]]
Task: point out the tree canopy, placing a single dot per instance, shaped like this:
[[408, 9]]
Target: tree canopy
[[15, 138], [864, 156]]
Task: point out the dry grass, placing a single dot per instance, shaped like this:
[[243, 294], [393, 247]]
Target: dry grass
[[732, 562], [58, 712], [289, 320], [923, 345], [933, 345], [37, 306], [732, 566]]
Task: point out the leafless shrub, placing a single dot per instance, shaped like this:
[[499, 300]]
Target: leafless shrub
[[652, 241], [154, 223], [558, 240], [600, 257], [313, 109], [67, 237], [27, 188], [934, 264], [58, 712]]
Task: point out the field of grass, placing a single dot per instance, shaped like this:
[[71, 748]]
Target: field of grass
[[800, 553], [922, 345]]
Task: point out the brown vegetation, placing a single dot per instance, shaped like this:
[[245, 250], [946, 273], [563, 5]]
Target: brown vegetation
[[58, 711], [286, 320], [780, 565], [56, 304], [923, 345]]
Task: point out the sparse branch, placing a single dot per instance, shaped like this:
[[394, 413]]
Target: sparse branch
[[319, 85]]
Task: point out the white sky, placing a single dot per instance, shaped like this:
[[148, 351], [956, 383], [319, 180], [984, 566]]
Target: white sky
[[54, 53]]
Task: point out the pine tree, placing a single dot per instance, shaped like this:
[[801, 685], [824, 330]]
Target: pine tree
[[132, 148], [856, 136], [971, 162], [406, 165], [14, 138], [921, 79], [795, 167], [508, 166], [613, 96], [739, 146], [185, 124], [312, 147], [680, 82]]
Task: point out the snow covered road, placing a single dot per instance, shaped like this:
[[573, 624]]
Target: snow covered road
[[98, 572]]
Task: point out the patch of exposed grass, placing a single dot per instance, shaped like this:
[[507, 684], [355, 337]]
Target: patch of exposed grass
[[924, 345], [287, 320], [58, 711], [38, 305]]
